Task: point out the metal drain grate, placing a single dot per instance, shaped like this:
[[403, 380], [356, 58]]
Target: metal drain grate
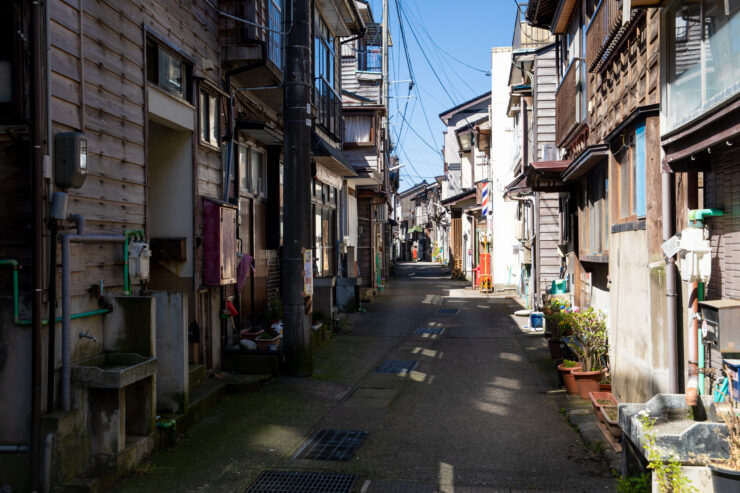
[[431, 331], [302, 482], [397, 366], [447, 311], [338, 445]]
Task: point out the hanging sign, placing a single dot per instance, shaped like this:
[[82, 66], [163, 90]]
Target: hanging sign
[[308, 273]]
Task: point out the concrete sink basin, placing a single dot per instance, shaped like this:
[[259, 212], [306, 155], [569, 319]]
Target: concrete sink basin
[[113, 370]]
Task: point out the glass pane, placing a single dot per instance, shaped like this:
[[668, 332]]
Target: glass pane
[[203, 116], [212, 121], [684, 74], [318, 240], [357, 128], [722, 52], [243, 175], [624, 184], [170, 72]]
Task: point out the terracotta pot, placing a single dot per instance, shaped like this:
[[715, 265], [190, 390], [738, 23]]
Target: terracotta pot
[[612, 424], [587, 381], [556, 349], [605, 387], [568, 380], [264, 344], [598, 396], [245, 334]]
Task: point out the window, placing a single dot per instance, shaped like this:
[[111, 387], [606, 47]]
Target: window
[[11, 71], [631, 174], [358, 129], [167, 70], [326, 79], [369, 49], [209, 119], [324, 204], [252, 171], [703, 62], [593, 213], [565, 219]]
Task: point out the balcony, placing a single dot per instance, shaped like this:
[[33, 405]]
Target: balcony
[[253, 55], [570, 102], [603, 26], [328, 105], [527, 36]]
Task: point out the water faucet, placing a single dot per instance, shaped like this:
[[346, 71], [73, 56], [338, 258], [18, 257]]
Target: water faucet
[[88, 335]]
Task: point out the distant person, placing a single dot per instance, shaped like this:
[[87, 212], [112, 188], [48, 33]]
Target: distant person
[[414, 253]]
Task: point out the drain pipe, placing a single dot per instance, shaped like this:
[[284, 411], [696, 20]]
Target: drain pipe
[[13, 449], [531, 201], [67, 239], [48, 442], [670, 281], [692, 384]]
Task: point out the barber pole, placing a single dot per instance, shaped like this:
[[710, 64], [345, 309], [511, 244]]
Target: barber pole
[[484, 199]]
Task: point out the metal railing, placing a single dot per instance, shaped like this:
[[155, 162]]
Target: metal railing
[[262, 12], [329, 105], [527, 36], [370, 60], [570, 100], [275, 40], [604, 23]]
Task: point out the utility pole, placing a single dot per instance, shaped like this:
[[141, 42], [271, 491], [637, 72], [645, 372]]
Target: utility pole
[[385, 66], [297, 178]]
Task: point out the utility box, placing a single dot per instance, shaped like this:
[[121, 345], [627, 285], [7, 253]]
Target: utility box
[[219, 243], [721, 324], [70, 159]]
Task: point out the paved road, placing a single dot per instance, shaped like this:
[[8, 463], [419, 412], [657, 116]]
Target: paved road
[[474, 415]]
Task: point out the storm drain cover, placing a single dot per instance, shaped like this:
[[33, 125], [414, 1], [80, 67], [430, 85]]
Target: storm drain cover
[[397, 366], [430, 331], [302, 482], [447, 311], [338, 445]]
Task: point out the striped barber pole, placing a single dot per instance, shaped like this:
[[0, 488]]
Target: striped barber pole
[[484, 199]]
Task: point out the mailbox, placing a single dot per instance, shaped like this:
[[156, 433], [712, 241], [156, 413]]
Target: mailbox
[[721, 324]]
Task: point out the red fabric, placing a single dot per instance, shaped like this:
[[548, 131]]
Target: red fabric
[[231, 308]]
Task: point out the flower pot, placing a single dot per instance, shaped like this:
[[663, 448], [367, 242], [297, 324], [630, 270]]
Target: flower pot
[[264, 344], [605, 387], [724, 480], [612, 424], [601, 396], [568, 380], [587, 381], [556, 349]]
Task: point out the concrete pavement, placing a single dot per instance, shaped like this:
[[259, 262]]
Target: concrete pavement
[[474, 415]]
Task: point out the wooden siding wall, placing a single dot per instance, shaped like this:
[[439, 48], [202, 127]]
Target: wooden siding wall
[[630, 80], [98, 86], [350, 81], [548, 237], [545, 87]]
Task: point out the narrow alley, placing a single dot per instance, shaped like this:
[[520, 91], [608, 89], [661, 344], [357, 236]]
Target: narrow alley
[[472, 414]]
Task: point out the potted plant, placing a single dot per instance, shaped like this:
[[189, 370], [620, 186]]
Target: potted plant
[[610, 417], [274, 311], [606, 383], [589, 342], [600, 399], [726, 472], [558, 322], [250, 332], [565, 368], [269, 339]]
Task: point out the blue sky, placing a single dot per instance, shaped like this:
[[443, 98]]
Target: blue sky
[[464, 29]]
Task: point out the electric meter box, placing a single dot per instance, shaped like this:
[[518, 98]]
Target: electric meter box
[[70, 159], [721, 324]]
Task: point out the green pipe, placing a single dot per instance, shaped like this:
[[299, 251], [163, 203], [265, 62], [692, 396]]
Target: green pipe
[[16, 301], [700, 345], [127, 233]]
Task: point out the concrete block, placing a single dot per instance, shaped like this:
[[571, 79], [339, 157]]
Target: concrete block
[[131, 327], [172, 350]]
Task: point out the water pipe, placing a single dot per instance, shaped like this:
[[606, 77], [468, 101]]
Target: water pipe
[[668, 226], [699, 338], [48, 449], [13, 449], [67, 239], [137, 234], [16, 301]]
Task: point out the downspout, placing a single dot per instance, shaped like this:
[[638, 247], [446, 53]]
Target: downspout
[[670, 281], [531, 201], [38, 102]]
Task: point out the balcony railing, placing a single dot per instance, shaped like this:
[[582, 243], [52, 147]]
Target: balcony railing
[[570, 101], [370, 60], [329, 106], [262, 12], [527, 36], [604, 24]]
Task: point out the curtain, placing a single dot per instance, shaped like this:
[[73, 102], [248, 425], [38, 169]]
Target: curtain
[[357, 128]]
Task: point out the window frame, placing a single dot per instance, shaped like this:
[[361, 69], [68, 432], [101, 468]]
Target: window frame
[[244, 170], [154, 48], [205, 126], [631, 162], [324, 203], [372, 118], [587, 208], [15, 109]]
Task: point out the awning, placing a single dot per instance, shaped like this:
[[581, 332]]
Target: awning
[[416, 229], [518, 185], [261, 131], [331, 157], [586, 160], [456, 199], [544, 176]]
